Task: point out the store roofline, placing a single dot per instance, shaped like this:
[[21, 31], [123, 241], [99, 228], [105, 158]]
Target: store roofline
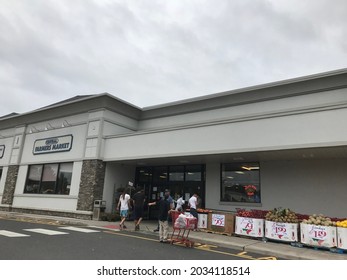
[[269, 91], [273, 90], [251, 88]]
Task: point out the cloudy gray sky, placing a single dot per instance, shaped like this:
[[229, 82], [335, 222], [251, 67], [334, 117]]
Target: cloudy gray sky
[[149, 52]]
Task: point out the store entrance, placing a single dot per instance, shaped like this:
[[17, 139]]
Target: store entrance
[[180, 180]]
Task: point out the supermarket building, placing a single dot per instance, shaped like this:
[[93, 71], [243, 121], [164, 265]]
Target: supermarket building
[[287, 141]]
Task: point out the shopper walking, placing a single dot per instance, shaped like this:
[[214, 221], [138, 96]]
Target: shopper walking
[[138, 203], [123, 206], [193, 202], [179, 204]]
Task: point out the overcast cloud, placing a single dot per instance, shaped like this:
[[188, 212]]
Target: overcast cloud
[[151, 52]]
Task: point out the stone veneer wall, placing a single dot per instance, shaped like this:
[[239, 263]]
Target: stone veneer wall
[[10, 185], [92, 184], [75, 215]]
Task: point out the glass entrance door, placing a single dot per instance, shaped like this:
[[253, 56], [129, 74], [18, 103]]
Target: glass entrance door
[[180, 180]]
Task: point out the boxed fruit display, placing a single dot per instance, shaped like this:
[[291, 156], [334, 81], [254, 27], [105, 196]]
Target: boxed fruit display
[[342, 234], [250, 223], [318, 230], [287, 232], [222, 222], [202, 221], [202, 217], [282, 224]]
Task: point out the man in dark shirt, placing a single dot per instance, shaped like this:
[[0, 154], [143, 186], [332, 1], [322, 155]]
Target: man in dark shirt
[[138, 200], [164, 210], [171, 201]]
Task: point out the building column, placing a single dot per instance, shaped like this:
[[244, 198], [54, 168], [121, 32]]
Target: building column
[[10, 185], [92, 184]]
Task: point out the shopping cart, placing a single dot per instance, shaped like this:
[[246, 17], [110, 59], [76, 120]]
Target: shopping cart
[[182, 225]]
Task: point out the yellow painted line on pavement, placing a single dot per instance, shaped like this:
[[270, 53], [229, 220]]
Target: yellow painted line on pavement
[[204, 247], [267, 258], [226, 253], [129, 235], [242, 253]]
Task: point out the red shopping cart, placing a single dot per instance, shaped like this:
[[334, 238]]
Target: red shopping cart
[[182, 225]]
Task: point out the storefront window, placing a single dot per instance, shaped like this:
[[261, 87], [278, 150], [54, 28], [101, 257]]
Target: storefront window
[[64, 178], [160, 173], [34, 179], [44, 179], [176, 173], [49, 178], [240, 182], [144, 174], [194, 172]]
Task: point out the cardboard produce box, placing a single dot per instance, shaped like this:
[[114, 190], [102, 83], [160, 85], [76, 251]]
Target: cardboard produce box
[[202, 221], [249, 226], [316, 235], [342, 238], [222, 222], [287, 232]]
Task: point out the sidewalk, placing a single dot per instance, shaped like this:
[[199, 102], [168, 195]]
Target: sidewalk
[[280, 250]]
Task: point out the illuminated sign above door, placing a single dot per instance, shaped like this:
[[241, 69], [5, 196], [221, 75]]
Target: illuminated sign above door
[[53, 145]]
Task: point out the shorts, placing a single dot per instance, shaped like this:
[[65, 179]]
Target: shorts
[[138, 213], [124, 213]]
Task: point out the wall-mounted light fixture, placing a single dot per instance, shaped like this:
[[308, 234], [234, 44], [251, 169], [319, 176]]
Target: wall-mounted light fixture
[[33, 129], [49, 126], [65, 123]]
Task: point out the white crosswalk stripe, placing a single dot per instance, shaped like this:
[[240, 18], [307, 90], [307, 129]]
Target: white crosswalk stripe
[[46, 231], [12, 234], [78, 229]]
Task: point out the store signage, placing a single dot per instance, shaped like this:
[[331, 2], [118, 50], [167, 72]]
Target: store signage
[[53, 145], [2, 150], [218, 220], [281, 231], [317, 235], [249, 226]]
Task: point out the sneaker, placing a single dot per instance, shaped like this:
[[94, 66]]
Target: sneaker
[[124, 226], [137, 227], [120, 226], [157, 229]]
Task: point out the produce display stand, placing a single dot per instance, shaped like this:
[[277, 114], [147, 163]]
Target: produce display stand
[[181, 231], [318, 236], [251, 227], [221, 222], [284, 232], [203, 218], [342, 238]]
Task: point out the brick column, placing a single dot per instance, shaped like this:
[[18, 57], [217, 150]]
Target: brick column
[[92, 184], [10, 185]]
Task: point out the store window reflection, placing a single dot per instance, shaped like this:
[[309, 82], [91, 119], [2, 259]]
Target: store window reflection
[[176, 173], [49, 179], [240, 182]]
